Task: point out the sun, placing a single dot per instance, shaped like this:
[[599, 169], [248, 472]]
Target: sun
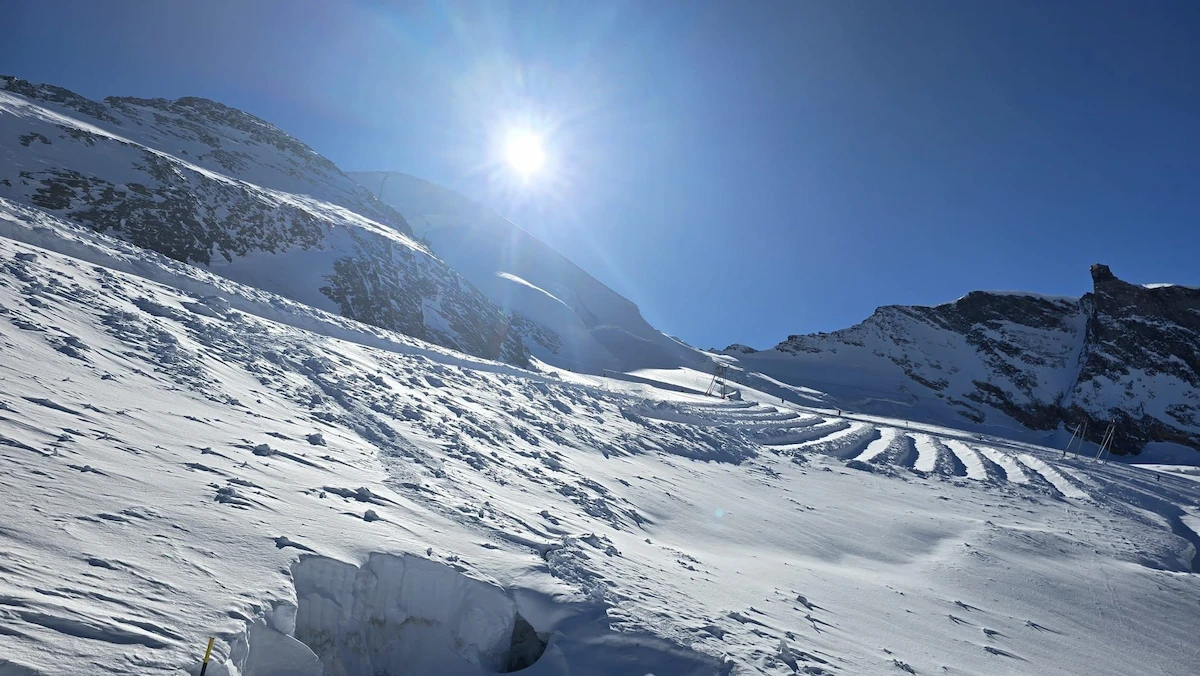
[[524, 152]]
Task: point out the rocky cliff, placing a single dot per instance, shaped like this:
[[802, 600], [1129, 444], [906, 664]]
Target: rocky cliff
[[1140, 362]]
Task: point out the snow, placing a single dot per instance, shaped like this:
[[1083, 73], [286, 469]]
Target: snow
[[901, 365], [1060, 483], [1154, 392], [969, 459], [1188, 472], [1030, 294], [1012, 469], [1011, 368], [402, 612], [517, 280], [1167, 286], [1191, 519], [183, 456], [927, 447], [879, 446], [265, 211]]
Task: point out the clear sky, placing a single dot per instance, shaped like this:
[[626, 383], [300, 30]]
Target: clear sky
[[741, 170]]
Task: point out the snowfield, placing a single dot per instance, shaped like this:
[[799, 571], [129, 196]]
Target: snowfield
[[184, 457]]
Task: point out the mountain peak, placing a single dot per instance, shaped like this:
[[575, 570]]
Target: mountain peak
[[56, 95], [1101, 273]]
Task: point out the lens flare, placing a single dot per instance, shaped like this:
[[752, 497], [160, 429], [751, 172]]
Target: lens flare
[[524, 152]]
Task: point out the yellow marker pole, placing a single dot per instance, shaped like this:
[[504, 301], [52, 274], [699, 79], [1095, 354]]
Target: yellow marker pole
[[207, 654]]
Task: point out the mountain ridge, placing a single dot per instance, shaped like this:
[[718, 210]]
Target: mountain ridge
[[251, 203], [1043, 361], [243, 199]]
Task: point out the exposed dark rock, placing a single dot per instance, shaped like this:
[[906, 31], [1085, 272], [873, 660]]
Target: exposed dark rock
[[1138, 338], [1101, 273]]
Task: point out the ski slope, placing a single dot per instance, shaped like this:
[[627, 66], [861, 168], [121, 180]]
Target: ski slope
[[184, 457]]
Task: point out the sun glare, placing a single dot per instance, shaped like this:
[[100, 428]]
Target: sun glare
[[525, 153]]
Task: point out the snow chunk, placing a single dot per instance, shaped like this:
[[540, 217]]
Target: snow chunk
[[405, 614], [266, 651]]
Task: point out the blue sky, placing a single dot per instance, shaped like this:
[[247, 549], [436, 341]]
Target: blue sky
[[742, 171]]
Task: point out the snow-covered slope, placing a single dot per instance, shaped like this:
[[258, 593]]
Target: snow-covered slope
[[206, 184], [565, 316], [182, 456], [1009, 362], [903, 358]]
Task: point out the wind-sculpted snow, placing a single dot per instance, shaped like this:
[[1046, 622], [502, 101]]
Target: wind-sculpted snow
[[182, 456]]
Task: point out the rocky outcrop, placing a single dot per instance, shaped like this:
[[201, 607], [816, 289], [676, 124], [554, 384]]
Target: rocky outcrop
[[1141, 361], [1124, 352]]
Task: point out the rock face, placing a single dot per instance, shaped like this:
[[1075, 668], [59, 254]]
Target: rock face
[[206, 184], [1140, 365], [1123, 352]]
